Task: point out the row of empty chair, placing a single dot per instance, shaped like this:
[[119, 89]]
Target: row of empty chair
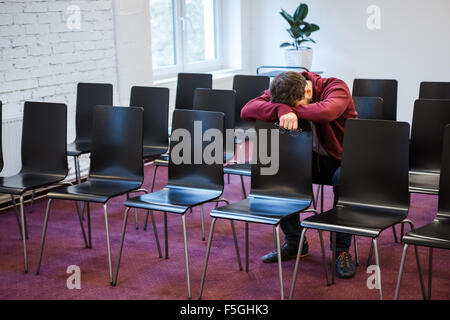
[[120, 132]]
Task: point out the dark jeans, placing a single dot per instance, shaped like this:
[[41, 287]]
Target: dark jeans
[[326, 170]]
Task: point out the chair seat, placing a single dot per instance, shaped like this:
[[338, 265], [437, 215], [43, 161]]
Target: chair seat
[[243, 169], [360, 221], [435, 234], [94, 190], [149, 152], [77, 148], [173, 199], [162, 161], [261, 210], [22, 182], [424, 182]]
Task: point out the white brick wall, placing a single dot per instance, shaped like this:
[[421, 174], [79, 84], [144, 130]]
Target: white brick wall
[[41, 59]]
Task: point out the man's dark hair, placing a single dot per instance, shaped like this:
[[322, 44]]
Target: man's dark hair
[[288, 88]]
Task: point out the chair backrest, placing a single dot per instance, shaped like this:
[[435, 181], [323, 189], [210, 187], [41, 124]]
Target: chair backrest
[[293, 179], [444, 181], [44, 139], [247, 88], [186, 85], [155, 102], [369, 107], [192, 170], [90, 95], [374, 171], [434, 90], [117, 137], [385, 89], [218, 101], [429, 119], [1, 144]]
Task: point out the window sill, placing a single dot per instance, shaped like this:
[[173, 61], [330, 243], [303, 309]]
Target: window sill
[[217, 75]]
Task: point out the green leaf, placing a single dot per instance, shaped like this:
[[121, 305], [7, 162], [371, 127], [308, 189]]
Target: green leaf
[[302, 12], [286, 44], [314, 27], [288, 17]]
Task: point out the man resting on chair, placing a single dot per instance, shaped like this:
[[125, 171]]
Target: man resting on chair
[[327, 103]]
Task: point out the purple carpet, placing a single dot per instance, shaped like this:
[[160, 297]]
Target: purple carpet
[[145, 276]]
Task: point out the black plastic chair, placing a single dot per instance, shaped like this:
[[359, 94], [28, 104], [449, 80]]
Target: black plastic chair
[[116, 166], [273, 197], [385, 89], [189, 184], [44, 156], [186, 85], [247, 87], [369, 108], [88, 96], [373, 189], [155, 101], [437, 233], [434, 90], [429, 119], [218, 101]]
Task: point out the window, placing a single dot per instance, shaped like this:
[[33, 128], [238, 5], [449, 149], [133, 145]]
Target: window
[[185, 36]]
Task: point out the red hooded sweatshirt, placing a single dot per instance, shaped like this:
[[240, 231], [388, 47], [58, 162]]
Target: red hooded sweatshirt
[[333, 105]]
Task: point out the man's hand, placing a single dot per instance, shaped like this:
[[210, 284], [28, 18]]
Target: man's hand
[[289, 121]]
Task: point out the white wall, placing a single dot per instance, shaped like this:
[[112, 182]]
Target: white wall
[[411, 46], [41, 59]]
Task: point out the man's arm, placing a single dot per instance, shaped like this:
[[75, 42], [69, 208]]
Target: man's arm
[[331, 108], [262, 109]]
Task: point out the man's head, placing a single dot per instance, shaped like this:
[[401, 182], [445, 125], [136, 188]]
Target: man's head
[[291, 88]]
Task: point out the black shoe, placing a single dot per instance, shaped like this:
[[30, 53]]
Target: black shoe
[[287, 253], [344, 265]]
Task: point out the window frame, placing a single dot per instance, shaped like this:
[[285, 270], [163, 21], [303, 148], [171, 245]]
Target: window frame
[[180, 54]]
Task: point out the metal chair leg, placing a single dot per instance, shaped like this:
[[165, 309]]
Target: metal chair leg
[[80, 218], [108, 243], [44, 233], [355, 243], [369, 260], [430, 272], [395, 234], [76, 161], [324, 259], [321, 198], [228, 178], [155, 232], [208, 250], [151, 190], [244, 193], [166, 236], [246, 247], [136, 215], [186, 256], [202, 217], [333, 265], [16, 211], [122, 239], [24, 233], [419, 270], [32, 201], [236, 246], [400, 272], [377, 261], [88, 214], [297, 260], [280, 269]]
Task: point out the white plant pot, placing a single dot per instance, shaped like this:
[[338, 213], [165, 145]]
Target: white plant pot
[[298, 58]]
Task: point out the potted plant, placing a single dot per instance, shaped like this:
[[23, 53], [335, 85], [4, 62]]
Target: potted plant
[[295, 53]]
